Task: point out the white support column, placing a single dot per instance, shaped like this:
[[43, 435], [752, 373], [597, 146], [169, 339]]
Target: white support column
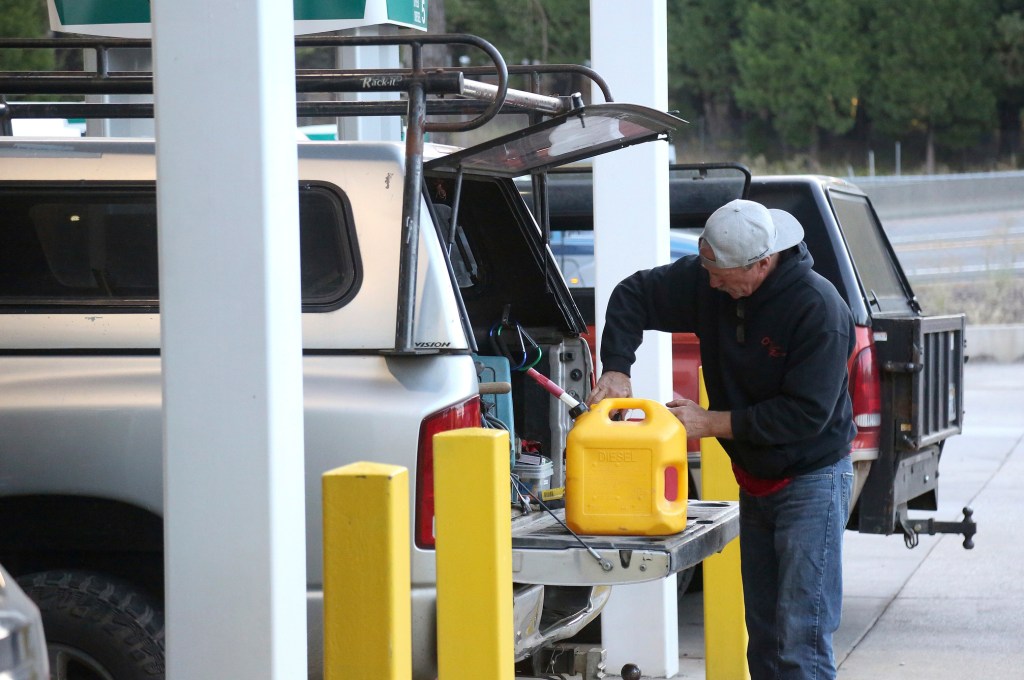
[[629, 48], [370, 128], [231, 339]]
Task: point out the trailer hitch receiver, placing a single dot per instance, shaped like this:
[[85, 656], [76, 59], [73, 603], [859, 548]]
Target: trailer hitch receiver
[[913, 528]]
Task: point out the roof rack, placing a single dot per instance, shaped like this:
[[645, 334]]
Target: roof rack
[[452, 94]]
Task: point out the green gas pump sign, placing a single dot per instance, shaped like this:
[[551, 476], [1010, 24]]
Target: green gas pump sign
[[131, 18]]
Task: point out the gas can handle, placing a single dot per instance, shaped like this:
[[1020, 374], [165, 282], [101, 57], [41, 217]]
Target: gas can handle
[[606, 406]]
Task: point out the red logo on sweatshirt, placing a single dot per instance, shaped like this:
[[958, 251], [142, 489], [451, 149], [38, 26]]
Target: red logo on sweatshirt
[[774, 351]]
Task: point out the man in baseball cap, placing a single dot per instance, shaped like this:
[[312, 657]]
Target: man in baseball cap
[[774, 342], [740, 236], [742, 232]]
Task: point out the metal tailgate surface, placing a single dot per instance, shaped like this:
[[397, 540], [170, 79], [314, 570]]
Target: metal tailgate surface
[[543, 551]]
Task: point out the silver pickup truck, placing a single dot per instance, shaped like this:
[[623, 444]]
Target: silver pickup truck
[[387, 362]]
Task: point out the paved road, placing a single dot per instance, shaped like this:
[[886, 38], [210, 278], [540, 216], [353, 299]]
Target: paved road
[[959, 247], [937, 612]]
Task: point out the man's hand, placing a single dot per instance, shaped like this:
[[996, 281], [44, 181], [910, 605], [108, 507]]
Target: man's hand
[[700, 422], [611, 384]]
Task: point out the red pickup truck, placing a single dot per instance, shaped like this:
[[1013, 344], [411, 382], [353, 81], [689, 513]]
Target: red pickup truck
[[906, 373]]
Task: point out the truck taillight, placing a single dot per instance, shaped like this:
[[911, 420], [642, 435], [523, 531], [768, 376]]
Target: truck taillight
[[465, 414], [866, 394]]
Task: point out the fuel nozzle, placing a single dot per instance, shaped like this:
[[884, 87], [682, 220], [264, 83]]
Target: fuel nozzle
[[576, 407]]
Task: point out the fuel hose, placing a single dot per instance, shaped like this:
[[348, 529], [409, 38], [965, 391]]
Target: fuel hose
[[576, 407]]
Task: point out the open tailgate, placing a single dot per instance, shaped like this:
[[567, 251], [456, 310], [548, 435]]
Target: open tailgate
[[543, 551]]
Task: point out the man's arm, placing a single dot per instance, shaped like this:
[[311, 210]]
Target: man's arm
[[663, 299]]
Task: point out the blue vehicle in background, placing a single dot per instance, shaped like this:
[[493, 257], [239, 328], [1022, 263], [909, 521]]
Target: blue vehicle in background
[[574, 252]]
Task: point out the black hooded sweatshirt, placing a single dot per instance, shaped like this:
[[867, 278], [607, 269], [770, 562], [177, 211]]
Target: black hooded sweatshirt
[[777, 360]]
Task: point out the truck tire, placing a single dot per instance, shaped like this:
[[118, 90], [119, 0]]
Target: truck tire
[[97, 627]]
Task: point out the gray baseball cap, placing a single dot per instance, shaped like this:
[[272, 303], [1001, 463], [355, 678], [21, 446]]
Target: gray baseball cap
[[742, 232]]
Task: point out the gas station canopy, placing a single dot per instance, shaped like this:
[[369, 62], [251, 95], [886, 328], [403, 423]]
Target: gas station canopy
[[131, 18]]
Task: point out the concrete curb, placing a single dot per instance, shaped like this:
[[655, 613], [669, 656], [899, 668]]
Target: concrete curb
[[1002, 343]]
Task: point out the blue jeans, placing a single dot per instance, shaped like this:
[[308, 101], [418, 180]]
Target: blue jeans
[[791, 555]]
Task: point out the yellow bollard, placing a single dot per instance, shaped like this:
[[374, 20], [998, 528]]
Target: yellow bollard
[[474, 555], [367, 600], [725, 633]]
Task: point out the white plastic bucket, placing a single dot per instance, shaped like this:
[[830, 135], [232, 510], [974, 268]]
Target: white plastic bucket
[[536, 478]]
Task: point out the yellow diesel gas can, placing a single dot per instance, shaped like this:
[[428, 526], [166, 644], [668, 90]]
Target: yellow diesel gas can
[[626, 477]]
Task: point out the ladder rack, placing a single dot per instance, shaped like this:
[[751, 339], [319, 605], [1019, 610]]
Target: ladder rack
[[450, 94]]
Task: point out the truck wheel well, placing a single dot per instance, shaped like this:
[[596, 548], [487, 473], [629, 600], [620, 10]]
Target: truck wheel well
[[44, 532]]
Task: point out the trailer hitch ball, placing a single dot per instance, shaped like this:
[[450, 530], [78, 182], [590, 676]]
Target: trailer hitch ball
[[631, 672], [969, 535]]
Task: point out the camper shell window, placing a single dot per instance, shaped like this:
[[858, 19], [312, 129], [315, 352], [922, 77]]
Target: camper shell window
[[96, 245]]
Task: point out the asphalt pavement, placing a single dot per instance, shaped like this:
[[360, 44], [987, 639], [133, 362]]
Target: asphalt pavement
[[937, 612]]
